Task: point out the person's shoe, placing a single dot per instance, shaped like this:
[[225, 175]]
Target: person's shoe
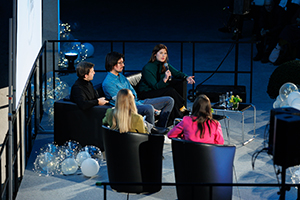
[[186, 112], [225, 29], [159, 130], [182, 109], [167, 140]]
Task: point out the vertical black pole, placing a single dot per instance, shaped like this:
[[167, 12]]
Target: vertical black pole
[[181, 56], [193, 87], [283, 187], [53, 75], [104, 192], [236, 65], [10, 113], [251, 72]]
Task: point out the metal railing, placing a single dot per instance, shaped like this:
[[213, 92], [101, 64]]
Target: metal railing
[[283, 186], [126, 43], [24, 123]]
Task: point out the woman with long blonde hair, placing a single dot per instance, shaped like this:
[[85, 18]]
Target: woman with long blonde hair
[[200, 126], [124, 116]]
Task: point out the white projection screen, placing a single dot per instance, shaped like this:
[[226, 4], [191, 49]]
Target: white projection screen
[[28, 41]]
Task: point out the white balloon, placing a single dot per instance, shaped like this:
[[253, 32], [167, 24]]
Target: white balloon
[[296, 106], [47, 161], [284, 103], [90, 49], [278, 98], [48, 104], [292, 96], [277, 103], [286, 89], [296, 103], [90, 167], [81, 156], [69, 166]]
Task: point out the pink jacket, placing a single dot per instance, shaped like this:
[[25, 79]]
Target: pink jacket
[[188, 130]]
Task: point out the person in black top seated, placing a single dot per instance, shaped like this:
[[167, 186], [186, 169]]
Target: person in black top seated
[[83, 92]]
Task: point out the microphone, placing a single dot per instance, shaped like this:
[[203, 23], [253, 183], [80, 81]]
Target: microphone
[[167, 67]]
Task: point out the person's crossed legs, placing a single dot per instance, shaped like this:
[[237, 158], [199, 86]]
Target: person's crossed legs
[[165, 104]]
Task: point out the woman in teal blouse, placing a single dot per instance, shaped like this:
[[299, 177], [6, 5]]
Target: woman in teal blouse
[[159, 78]]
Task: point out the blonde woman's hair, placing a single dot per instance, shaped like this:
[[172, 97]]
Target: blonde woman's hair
[[124, 108]]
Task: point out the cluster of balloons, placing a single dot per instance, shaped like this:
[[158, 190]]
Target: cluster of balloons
[[289, 96], [68, 159], [61, 90], [83, 50]]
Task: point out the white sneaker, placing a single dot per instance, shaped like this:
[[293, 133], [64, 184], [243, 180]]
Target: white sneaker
[[167, 140]]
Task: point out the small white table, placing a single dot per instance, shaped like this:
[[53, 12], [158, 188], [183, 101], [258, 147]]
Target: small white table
[[241, 110]]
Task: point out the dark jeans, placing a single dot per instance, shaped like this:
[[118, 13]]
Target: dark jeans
[[168, 91]]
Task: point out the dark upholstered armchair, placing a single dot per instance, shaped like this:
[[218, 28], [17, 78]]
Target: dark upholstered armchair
[[133, 158], [83, 126], [196, 162]]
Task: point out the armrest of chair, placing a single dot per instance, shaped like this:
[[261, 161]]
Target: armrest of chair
[[134, 80], [83, 126], [99, 89]]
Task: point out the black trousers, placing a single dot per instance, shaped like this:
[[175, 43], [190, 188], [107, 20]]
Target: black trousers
[[168, 91]]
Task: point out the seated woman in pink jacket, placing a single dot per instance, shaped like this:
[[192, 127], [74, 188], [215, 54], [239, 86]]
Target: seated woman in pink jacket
[[200, 126]]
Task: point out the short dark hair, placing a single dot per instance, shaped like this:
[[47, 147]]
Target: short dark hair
[[83, 68], [111, 60]]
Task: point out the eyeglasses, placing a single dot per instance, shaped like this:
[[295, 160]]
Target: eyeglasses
[[120, 63]]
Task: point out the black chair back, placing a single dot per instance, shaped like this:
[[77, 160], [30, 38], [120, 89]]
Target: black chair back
[[83, 126], [133, 158], [196, 162]]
